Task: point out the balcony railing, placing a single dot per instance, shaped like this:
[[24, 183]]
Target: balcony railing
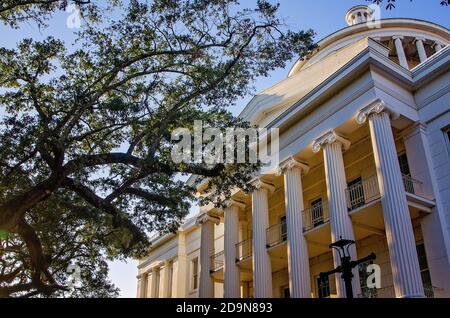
[[366, 191], [412, 185], [389, 292], [244, 250], [315, 215], [362, 193], [276, 234], [217, 261]]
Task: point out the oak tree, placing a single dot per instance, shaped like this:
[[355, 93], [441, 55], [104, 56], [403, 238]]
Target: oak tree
[[85, 167]]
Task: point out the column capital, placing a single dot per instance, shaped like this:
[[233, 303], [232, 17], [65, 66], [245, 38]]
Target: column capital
[[152, 270], [205, 217], [142, 275], [438, 46], [329, 138], [291, 163], [375, 108], [419, 38], [399, 37], [260, 184], [234, 202]]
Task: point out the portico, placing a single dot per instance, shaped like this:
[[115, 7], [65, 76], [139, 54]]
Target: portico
[[354, 163]]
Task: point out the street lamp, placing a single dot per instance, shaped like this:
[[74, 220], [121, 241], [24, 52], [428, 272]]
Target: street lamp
[[343, 249]]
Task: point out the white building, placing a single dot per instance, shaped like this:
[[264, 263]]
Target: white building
[[365, 151]]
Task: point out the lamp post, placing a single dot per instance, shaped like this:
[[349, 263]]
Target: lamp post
[[342, 247]]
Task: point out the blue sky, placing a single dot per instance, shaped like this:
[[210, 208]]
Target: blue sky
[[323, 16]]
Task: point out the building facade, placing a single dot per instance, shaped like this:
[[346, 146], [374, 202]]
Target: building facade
[[364, 155]]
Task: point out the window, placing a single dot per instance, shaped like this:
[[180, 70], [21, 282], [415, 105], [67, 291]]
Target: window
[[356, 193], [316, 207], [283, 228], [424, 271], [195, 273], [404, 167], [406, 173], [366, 292], [323, 287]]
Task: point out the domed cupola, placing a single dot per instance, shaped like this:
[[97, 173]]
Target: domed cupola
[[410, 41], [358, 14]]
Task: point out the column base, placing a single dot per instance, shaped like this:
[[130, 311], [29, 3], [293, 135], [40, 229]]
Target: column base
[[413, 296]]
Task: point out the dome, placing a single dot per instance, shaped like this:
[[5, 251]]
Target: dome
[[410, 41], [359, 14]]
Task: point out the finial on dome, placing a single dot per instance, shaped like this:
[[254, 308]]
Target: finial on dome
[[359, 14]]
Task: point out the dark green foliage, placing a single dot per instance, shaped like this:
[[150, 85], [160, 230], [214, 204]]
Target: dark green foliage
[[85, 166], [390, 4]]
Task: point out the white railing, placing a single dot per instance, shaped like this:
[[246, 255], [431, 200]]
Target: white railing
[[276, 234], [362, 193], [315, 215], [244, 250], [367, 190], [412, 185], [217, 261]]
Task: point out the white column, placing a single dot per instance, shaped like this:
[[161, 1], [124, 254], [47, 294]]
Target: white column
[[438, 46], [206, 287], [340, 222], [182, 278], [231, 238], [153, 283], [421, 49], [262, 268], [399, 230], [400, 51], [142, 285], [164, 280], [175, 278], [297, 248]]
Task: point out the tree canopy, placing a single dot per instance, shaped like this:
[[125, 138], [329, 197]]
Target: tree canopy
[[390, 4], [85, 167]]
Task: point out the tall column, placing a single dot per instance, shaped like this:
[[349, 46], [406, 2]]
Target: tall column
[[399, 230], [421, 49], [181, 270], [400, 51], [340, 222], [231, 236], [153, 283], [174, 293], [206, 287], [262, 268], [164, 290], [438, 46], [297, 248], [142, 285]]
